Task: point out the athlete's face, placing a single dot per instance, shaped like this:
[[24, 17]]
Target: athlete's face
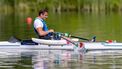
[[45, 15]]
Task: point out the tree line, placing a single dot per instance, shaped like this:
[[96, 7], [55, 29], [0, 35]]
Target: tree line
[[61, 5]]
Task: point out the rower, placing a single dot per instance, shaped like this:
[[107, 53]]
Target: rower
[[40, 26]]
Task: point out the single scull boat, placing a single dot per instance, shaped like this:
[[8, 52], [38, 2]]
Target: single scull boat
[[41, 44]]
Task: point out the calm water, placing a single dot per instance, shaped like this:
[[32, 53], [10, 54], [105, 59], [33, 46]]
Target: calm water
[[104, 26], [60, 60]]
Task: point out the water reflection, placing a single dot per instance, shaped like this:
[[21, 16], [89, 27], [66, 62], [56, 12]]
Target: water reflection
[[54, 59], [103, 59], [45, 59]]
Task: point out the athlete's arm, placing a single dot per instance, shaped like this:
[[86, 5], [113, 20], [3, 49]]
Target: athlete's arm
[[43, 33]]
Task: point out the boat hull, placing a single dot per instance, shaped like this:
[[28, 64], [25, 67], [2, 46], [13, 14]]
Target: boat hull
[[17, 45], [103, 46], [86, 46]]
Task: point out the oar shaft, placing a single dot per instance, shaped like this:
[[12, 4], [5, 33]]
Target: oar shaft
[[68, 35], [69, 41], [79, 37]]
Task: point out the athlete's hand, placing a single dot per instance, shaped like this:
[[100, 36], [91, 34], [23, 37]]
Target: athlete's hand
[[50, 30]]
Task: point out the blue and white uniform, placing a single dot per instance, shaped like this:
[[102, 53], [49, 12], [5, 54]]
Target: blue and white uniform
[[41, 23]]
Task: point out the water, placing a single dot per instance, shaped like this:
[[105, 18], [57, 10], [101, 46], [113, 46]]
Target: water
[[104, 60], [44, 59], [104, 26], [58, 59]]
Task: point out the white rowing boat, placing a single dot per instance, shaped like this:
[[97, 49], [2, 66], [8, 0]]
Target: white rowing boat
[[86, 45], [41, 44]]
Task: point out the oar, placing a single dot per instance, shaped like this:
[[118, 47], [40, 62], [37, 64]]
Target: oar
[[69, 35], [64, 37], [69, 41], [79, 37], [93, 38], [76, 48]]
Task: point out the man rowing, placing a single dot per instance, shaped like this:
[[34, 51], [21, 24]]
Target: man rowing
[[40, 26]]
